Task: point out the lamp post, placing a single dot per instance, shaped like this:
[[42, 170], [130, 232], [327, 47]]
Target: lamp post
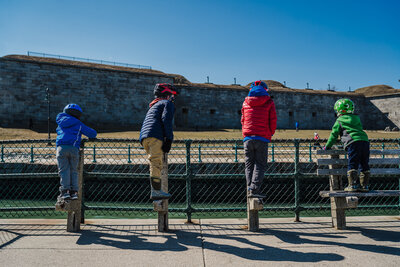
[[48, 115]]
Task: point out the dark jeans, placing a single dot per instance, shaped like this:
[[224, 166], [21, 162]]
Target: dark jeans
[[358, 153], [68, 161], [256, 153]]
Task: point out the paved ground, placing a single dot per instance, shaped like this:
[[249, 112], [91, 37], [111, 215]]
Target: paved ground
[[368, 241]]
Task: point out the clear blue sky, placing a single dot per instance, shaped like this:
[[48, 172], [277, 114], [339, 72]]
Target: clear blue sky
[[343, 43]]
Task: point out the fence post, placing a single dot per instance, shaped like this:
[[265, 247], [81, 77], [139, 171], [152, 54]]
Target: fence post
[[309, 150], [398, 144], [188, 182], [129, 154], [2, 153], [296, 181], [199, 153], [94, 153], [81, 181], [383, 147], [272, 152], [236, 152], [32, 154]]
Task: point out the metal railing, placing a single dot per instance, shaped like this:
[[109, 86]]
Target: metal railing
[[206, 179], [97, 61]]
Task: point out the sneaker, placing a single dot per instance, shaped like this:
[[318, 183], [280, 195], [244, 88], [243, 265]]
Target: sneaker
[[351, 188], [74, 195], [65, 195], [159, 194], [364, 188], [253, 194]]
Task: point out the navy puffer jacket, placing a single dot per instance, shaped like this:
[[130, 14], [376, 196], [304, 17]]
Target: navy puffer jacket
[[158, 120]]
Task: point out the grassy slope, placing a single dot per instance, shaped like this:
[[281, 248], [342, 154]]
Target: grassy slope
[[13, 134]]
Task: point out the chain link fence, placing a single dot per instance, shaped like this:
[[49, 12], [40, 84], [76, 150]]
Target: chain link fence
[[206, 179]]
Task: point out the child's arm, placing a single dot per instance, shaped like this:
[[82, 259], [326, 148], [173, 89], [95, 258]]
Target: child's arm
[[272, 118], [166, 118], [89, 132], [334, 135]]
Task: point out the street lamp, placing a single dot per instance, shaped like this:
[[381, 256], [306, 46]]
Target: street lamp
[[48, 115]]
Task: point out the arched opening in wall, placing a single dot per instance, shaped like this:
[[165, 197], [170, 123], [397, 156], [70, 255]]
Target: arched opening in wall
[[212, 111], [314, 114], [291, 120], [182, 118]]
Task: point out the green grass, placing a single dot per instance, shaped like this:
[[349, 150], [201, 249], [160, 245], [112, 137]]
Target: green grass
[[223, 212]]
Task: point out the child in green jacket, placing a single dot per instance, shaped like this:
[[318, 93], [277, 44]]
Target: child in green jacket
[[355, 141]]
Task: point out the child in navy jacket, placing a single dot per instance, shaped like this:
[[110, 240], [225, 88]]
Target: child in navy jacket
[[156, 134]]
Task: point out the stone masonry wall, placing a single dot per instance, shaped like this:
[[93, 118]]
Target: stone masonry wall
[[389, 105], [118, 100], [109, 99]]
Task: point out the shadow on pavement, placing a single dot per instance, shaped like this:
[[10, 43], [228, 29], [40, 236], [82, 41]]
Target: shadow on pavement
[[224, 238]]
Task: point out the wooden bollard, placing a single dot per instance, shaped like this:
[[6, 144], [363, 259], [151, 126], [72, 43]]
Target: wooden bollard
[[161, 206], [253, 206], [74, 207]]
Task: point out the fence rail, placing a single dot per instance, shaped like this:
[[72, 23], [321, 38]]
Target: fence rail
[[206, 179], [97, 61]]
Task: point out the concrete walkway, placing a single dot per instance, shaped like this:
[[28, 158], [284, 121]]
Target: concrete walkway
[[368, 241]]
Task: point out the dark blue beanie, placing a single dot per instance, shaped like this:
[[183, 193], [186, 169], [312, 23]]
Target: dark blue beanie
[[258, 88]]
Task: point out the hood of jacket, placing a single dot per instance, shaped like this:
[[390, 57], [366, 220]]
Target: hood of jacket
[[65, 120], [255, 101]]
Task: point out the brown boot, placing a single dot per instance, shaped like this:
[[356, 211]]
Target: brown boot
[[364, 181], [352, 178]]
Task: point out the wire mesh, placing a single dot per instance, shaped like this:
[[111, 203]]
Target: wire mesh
[[206, 179]]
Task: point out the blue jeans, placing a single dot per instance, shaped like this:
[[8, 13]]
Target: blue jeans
[[67, 161], [256, 153], [358, 154]]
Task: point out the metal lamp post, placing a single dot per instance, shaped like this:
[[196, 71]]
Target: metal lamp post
[[48, 115]]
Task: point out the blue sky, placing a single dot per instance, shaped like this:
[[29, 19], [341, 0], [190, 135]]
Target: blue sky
[[341, 43]]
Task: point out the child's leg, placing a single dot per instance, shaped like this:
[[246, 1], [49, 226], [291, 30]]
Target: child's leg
[[353, 163], [153, 149], [364, 156], [365, 172], [74, 162], [249, 161], [63, 169], [261, 154]]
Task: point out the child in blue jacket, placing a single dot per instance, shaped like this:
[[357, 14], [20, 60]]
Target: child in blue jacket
[[69, 133]]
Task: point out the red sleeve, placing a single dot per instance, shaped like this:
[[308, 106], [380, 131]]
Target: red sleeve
[[242, 118], [272, 118]]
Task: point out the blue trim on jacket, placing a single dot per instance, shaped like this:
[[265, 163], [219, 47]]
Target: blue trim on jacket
[[158, 121], [70, 130], [256, 138]]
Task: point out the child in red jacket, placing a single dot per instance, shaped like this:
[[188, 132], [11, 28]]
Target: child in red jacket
[[258, 126]]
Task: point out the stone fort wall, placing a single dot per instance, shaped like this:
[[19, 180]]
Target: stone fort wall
[[117, 98]]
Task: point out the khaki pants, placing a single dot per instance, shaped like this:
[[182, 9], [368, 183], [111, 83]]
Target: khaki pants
[[154, 155]]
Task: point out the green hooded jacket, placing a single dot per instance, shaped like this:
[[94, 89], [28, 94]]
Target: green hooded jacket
[[349, 128]]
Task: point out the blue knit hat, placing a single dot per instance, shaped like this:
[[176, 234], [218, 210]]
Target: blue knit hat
[[258, 88]]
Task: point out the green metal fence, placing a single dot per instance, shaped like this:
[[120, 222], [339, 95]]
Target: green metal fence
[[206, 179]]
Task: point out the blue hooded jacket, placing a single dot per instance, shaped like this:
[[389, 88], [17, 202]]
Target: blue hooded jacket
[[70, 130]]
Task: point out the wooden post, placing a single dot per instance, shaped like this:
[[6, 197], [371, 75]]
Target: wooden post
[[338, 204], [161, 206], [253, 206], [75, 206]]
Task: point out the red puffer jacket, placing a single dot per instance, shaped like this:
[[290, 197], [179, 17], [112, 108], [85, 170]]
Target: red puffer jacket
[[258, 116]]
